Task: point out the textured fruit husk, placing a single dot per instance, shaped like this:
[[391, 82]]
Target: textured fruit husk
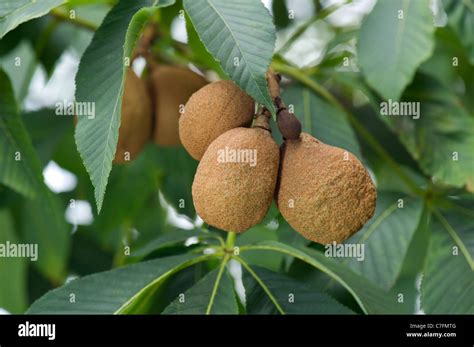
[[170, 88], [236, 196], [320, 194], [136, 119], [210, 112]]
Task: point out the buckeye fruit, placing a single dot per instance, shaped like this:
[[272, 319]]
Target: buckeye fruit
[[136, 119], [210, 112], [324, 192], [170, 88], [236, 178]]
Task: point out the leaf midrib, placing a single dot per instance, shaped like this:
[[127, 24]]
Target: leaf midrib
[[161, 278], [238, 46]]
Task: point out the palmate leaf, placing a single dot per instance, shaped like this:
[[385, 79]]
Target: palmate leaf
[[447, 285], [15, 12], [112, 291], [369, 297], [213, 294], [100, 80], [390, 48], [241, 36], [292, 296], [386, 238], [321, 120]]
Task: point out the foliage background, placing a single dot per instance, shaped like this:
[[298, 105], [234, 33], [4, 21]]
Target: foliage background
[[339, 59]]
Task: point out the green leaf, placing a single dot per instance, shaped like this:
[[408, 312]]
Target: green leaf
[[199, 299], [386, 238], [40, 125], [15, 12], [241, 36], [43, 223], [200, 53], [43, 218], [392, 44], [321, 119], [461, 19], [447, 285], [13, 296], [20, 71], [100, 80], [408, 282], [370, 298], [131, 188], [451, 161], [260, 232], [459, 225], [177, 188], [111, 291], [171, 238], [21, 168], [294, 297], [280, 14]]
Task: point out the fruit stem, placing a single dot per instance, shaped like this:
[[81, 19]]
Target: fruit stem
[[229, 242]]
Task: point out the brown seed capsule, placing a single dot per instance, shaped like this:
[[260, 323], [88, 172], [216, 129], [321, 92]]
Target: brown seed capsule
[[171, 88], [288, 124], [235, 180], [323, 192], [210, 112], [136, 120]]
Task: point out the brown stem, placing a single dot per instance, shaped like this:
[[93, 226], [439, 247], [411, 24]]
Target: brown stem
[[273, 81], [144, 44], [263, 121], [288, 124]]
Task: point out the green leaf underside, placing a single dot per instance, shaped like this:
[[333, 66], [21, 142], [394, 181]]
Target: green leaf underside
[[13, 296], [390, 48], [23, 175], [100, 80], [199, 299], [460, 228], [15, 12], [447, 285], [321, 120], [386, 238], [239, 31], [294, 297], [370, 298], [112, 291]]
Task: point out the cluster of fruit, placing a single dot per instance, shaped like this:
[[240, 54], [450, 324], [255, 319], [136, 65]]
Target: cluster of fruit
[[323, 192]]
